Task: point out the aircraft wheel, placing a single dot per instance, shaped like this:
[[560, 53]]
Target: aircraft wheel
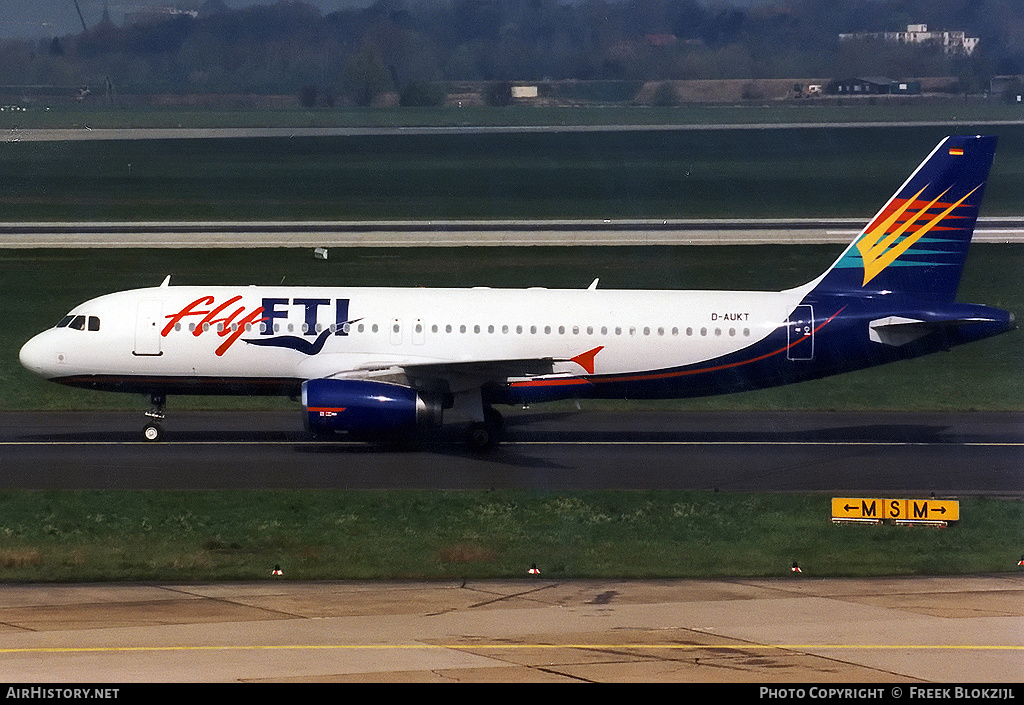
[[482, 437], [153, 432]]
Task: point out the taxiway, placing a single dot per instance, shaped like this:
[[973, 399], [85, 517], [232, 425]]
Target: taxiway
[[941, 453]]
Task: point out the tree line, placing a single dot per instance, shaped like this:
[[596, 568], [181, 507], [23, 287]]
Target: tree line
[[409, 47]]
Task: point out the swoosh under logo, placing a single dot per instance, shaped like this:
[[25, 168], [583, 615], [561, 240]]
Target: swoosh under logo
[[302, 345], [293, 342]]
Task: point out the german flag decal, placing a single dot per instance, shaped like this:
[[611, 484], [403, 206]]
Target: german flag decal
[[956, 152]]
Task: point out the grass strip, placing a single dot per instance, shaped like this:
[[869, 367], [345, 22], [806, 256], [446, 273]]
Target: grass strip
[[75, 536], [812, 172]]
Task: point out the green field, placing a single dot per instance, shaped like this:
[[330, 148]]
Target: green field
[[238, 535], [798, 172]]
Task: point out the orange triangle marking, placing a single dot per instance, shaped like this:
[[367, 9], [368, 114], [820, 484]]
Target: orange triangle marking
[[586, 360]]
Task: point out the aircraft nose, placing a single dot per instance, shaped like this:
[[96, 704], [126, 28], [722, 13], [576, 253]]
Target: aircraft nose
[[38, 356]]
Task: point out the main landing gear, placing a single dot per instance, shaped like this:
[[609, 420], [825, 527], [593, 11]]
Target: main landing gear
[[484, 435], [153, 431]]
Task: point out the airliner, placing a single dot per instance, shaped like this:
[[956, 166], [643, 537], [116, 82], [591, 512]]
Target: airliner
[[398, 363]]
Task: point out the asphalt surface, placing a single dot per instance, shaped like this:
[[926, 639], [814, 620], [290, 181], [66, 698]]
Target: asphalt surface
[[945, 453], [89, 133], [483, 233]]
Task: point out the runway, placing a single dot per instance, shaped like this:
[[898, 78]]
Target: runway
[[945, 453], [87, 133], [794, 630], [463, 233]]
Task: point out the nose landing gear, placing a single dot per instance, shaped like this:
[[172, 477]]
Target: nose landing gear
[[153, 431]]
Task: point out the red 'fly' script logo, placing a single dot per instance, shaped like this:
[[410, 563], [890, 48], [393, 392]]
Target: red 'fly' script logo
[[230, 326]]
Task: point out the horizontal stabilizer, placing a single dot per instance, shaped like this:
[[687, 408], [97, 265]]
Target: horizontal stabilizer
[[897, 330]]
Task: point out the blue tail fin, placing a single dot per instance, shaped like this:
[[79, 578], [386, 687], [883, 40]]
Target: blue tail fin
[[917, 243]]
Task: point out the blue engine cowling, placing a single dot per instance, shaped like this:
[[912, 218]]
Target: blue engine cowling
[[366, 408]]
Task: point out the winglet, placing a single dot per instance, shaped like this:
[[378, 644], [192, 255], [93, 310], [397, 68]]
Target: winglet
[[586, 359]]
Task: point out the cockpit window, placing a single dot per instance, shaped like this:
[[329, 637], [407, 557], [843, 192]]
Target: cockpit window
[[80, 322]]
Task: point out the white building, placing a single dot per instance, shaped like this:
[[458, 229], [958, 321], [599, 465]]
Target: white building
[[952, 42]]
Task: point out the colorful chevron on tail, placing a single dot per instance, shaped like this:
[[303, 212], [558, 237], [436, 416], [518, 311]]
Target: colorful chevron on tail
[[917, 244]]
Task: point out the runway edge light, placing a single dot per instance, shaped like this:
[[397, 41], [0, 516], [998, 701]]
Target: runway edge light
[[795, 568], [277, 570]]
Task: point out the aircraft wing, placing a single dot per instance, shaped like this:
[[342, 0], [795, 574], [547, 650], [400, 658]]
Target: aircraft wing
[[481, 370], [487, 369]]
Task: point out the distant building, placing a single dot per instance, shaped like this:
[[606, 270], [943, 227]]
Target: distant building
[[874, 86], [952, 42], [522, 92]]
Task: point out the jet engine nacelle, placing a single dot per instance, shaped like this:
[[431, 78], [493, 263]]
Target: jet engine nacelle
[[366, 408]]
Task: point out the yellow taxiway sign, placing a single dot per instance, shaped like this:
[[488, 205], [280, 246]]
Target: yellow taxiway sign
[[899, 510]]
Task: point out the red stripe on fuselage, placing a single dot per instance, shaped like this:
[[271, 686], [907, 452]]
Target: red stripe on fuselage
[[667, 375]]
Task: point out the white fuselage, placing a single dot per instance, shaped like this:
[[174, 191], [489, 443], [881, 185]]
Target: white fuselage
[[202, 332]]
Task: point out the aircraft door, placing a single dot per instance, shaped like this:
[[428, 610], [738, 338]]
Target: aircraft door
[[800, 330], [147, 327]]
